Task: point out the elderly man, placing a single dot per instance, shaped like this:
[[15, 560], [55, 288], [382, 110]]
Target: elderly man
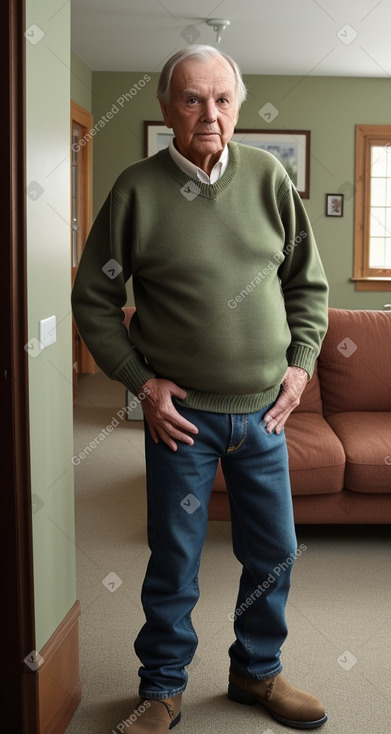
[[231, 303]]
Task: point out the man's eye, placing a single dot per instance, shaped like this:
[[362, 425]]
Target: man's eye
[[192, 100], [224, 100]]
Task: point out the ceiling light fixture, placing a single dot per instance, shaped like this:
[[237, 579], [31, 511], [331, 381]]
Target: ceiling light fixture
[[218, 26]]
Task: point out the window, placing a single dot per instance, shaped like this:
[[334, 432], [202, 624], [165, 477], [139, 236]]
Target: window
[[372, 235]]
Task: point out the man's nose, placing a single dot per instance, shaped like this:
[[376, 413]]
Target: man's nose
[[209, 112]]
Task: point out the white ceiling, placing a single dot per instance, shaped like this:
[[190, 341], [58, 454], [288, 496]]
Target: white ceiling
[[294, 37]]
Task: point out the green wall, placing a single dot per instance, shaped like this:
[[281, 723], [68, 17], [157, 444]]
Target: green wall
[[328, 107], [81, 83], [49, 285]]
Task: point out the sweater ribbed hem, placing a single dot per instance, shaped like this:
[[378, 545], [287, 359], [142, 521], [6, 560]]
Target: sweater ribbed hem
[[134, 375], [301, 356], [229, 403]]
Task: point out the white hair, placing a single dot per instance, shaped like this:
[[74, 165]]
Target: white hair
[[202, 53]]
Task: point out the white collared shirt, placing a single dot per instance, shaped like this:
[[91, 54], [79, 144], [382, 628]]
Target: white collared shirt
[[193, 171]]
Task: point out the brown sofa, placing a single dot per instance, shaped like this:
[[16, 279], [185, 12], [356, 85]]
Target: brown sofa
[[339, 437]]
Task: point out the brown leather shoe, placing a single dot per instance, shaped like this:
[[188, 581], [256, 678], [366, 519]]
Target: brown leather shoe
[[157, 715], [284, 702]]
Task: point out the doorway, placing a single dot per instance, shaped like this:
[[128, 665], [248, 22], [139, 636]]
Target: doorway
[[81, 211], [19, 712]]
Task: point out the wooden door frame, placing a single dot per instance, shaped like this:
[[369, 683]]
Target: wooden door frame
[[20, 697], [85, 120]]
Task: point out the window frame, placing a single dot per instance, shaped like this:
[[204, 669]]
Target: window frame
[[364, 277]]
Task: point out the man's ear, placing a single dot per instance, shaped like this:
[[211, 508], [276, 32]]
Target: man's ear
[[166, 116]]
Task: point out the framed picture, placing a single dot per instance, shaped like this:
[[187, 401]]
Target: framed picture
[[291, 147], [156, 137], [334, 205]]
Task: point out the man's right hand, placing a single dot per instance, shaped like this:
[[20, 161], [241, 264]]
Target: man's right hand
[[163, 419]]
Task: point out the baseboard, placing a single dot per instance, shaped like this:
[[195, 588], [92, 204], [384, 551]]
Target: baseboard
[[58, 676]]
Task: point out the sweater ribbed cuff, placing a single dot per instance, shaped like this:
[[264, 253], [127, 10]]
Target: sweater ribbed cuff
[[134, 375], [301, 356]]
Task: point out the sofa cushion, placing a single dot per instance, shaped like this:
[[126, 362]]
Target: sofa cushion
[[366, 438], [316, 456], [354, 363], [310, 400]]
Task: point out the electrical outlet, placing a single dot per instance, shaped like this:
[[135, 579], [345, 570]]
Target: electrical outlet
[[47, 332]]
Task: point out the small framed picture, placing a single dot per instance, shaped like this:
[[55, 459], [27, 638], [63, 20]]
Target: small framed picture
[[334, 205]]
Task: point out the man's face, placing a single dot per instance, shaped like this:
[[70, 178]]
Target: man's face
[[203, 109]]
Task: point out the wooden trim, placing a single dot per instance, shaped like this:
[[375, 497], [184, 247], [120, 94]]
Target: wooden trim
[[58, 676], [85, 119], [366, 278], [372, 285], [380, 139], [359, 205], [81, 115]]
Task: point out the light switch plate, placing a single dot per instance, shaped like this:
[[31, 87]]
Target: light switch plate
[[47, 332]]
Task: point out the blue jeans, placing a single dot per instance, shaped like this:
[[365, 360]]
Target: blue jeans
[[255, 466]]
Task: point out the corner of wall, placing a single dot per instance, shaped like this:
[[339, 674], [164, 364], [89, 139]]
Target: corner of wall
[[81, 83]]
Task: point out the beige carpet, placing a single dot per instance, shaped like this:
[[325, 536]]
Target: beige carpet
[[339, 609]]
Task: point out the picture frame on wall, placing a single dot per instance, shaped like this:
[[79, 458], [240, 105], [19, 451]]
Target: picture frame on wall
[[334, 205], [291, 147], [156, 137]]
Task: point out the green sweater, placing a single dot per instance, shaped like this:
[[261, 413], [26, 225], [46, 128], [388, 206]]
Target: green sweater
[[227, 280]]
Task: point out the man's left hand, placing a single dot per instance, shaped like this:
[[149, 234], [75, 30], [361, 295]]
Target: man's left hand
[[292, 386]]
